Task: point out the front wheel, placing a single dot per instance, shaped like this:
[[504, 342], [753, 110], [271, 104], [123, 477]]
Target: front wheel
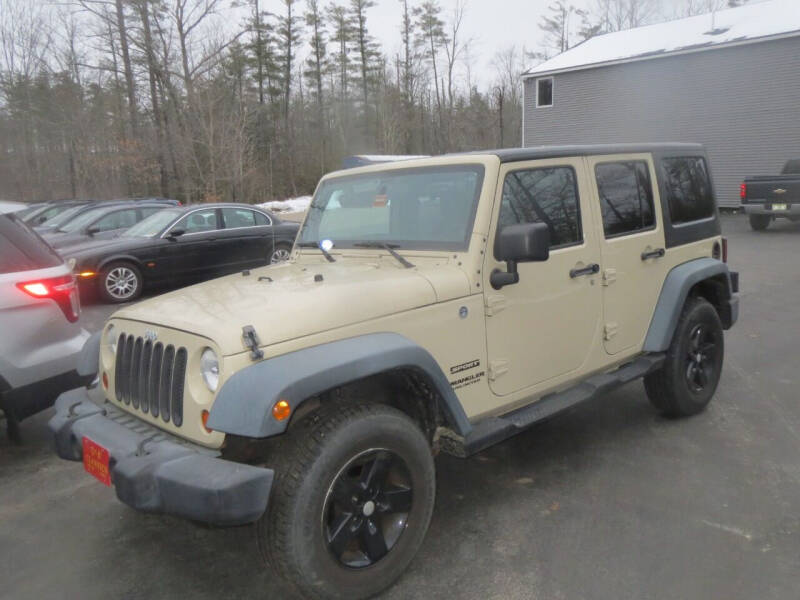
[[759, 222], [353, 497], [688, 379], [120, 282]]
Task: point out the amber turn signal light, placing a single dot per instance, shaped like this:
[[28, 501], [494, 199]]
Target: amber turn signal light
[[281, 410], [105, 380], [204, 418]]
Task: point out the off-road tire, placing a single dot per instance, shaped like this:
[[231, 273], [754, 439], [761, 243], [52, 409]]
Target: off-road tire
[[669, 388], [109, 270], [292, 533], [760, 222]]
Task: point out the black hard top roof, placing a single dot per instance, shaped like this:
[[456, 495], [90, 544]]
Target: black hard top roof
[[540, 152]]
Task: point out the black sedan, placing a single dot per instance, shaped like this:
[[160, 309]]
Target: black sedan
[[103, 222], [182, 245]]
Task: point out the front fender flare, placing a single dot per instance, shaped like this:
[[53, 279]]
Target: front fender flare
[[677, 285], [244, 404]]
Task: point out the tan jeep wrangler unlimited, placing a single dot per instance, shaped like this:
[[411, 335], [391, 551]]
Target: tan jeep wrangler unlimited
[[435, 304]]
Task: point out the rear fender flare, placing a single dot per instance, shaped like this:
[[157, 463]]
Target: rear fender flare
[[244, 403], [674, 293]]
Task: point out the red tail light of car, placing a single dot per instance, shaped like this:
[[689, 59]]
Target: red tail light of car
[[743, 191], [62, 290]]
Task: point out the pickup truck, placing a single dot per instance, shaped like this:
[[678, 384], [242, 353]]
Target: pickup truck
[[768, 197]]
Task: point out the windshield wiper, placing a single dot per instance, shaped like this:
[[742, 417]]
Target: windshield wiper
[[390, 248], [325, 253]]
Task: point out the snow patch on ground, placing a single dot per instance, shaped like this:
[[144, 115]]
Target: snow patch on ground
[[290, 205]]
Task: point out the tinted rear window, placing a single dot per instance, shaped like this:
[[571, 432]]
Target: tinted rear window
[[792, 167], [23, 250], [688, 189]]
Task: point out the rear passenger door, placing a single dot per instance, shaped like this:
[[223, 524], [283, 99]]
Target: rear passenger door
[[542, 329], [632, 246], [244, 241]]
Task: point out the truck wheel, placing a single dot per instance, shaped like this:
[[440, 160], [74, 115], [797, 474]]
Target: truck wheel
[[352, 498], [120, 282], [688, 379], [759, 222]]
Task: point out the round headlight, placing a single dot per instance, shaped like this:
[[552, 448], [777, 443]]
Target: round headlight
[[111, 339], [209, 369]]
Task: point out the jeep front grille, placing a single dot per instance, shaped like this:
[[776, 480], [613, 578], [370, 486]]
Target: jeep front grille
[[150, 377]]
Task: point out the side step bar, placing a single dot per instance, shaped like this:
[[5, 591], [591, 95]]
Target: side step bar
[[492, 430]]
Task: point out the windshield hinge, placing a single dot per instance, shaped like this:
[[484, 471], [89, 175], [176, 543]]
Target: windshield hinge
[[252, 343], [495, 304]]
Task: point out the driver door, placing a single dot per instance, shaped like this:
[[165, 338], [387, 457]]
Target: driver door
[[543, 328]]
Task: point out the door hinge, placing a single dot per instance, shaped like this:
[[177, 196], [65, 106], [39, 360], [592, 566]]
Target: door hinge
[[611, 329], [609, 276], [494, 304], [497, 368]]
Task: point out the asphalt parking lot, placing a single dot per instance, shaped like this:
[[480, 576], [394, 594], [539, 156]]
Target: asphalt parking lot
[[609, 501]]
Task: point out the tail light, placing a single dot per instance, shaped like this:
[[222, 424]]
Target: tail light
[[743, 191], [62, 290], [724, 250]]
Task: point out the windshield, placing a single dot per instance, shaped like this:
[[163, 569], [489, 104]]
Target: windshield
[[154, 224], [81, 220], [429, 208], [65, 216]]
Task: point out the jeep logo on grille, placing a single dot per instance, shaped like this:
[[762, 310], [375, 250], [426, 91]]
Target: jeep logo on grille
[[150, 335]]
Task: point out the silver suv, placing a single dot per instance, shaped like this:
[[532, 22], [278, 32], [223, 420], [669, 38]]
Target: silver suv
[[39, 318]]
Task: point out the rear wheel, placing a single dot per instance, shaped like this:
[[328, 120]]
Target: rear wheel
[[688, 379], [120, 282], [280, 254], [353, 496], [759, 222]]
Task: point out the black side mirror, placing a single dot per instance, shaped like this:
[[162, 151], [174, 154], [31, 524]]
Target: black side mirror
[[528, 242], [176, 233], [92, 230]]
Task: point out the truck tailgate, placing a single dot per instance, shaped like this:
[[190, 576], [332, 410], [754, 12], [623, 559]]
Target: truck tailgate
[[773, 189]]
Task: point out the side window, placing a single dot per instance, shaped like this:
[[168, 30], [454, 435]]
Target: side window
[[544, 92], [688, 189], [238, 217], [262, 219], [199, 221], [547, 195], [121, 219], [626, 197]]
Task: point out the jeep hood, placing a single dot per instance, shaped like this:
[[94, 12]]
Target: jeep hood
[[295, 300]]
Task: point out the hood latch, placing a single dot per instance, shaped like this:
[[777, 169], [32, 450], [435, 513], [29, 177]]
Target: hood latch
[[252, 342]]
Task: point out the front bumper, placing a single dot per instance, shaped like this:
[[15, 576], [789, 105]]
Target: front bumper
[[154, 472], [792, 210]]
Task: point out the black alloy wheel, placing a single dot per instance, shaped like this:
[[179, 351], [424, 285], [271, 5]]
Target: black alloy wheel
[[700, 359], [367, 508]]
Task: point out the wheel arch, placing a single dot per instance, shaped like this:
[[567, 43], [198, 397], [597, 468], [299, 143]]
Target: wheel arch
[[703, 277], [103, 263], [385, 366]]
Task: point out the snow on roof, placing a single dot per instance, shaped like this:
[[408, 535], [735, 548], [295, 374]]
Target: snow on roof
[[734, 25]]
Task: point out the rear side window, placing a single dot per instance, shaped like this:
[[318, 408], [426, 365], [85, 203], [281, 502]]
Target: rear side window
[[626, 197], [238, 217], [548, 195], [23, 250], [792, 167], [262, 219], [688, 188]]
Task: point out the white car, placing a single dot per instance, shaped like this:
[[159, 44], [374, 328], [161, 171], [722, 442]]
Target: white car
[[40, 321]]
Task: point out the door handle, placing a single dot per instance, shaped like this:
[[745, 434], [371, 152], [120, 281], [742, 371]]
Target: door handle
[[659, 253], [587, 270]]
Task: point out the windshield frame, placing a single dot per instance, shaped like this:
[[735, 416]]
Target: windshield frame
[[478, 168]]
